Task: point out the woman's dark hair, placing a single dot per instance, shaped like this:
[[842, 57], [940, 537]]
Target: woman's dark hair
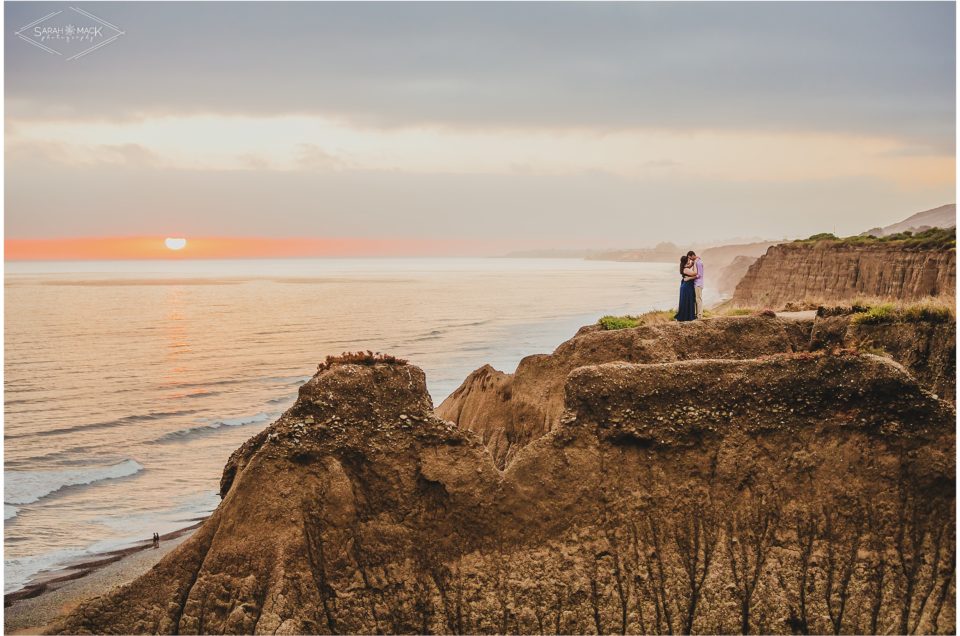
[[683, 263]]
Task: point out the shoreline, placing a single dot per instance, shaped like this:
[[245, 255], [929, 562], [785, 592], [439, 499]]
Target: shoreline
[[50, 594], [33, 608]]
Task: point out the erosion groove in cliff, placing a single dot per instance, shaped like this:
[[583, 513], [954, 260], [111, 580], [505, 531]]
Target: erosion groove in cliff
[[831, 271], [790, 491], [204, 550]]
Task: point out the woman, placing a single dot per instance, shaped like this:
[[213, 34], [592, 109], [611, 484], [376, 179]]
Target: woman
[[688, 298]]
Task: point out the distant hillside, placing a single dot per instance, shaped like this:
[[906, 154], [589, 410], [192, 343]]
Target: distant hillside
[[551, 253], [722, 255], [662, 253], [944, 216]]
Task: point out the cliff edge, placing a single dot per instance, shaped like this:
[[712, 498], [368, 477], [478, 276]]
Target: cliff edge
[[685, 495], [833, 270]]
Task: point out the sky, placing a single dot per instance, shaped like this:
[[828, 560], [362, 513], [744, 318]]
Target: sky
[[476, 128]]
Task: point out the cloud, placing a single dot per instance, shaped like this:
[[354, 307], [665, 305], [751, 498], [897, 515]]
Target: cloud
[[253, 161], [586, 209], [601, 122], [30, 151], [312, 157], [130, 154], [305, 143], [865, 68]]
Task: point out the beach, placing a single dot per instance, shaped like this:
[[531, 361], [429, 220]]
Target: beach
[[94, 577]]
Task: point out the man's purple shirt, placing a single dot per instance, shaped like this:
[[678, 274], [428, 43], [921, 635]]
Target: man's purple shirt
[[698, 282]]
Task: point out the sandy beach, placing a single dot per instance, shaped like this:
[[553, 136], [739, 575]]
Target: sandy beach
[[98, 576]]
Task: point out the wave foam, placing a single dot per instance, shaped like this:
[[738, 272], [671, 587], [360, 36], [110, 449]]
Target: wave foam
[[173, 436], [29, 486]]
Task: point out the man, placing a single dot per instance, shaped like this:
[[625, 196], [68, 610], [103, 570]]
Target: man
[[698, 283]]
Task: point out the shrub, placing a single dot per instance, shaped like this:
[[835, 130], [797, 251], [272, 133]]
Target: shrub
[[767, 313], [822, 236], [927, 312], [367, 358], [612, 323], [876, 315]]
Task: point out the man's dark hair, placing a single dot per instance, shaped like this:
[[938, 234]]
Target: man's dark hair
[[691, 253]]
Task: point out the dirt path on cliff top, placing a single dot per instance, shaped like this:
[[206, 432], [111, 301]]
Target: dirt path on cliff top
[[797, 315]]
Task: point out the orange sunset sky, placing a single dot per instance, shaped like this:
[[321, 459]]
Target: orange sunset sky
[[153, 247]]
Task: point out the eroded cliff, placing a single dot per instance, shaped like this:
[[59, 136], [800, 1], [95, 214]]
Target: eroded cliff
[[831, 270], [690, 495], [508, 411]]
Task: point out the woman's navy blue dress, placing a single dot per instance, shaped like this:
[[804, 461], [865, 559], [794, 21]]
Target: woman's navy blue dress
[[688, 302]]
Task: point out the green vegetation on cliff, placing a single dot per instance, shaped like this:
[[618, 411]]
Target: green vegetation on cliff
[[889, 313], [933, 238], [612, 323]]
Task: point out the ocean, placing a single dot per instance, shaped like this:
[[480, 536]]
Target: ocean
[[128, 384]]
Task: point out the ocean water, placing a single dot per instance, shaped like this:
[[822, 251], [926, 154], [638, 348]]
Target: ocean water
[[128, 384]]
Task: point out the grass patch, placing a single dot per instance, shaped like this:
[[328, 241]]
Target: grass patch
[[876, 315], [927, 312], [886, 313], [612, 323]]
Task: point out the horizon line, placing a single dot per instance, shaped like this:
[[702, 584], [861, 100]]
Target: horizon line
[[206, 248], [153, 247]]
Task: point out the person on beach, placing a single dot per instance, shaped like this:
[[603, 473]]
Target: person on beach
[[687, 308], [156, 540], [697, 282]]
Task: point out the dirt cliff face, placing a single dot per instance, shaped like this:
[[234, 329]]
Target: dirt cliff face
[[928, 350], [827, 271], [792, 492], [509, 411]]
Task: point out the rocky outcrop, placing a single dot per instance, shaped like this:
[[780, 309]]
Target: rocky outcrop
[[831, 270], [713, 495], [357, 466], [508, 411], [731, 275], [927, 349]]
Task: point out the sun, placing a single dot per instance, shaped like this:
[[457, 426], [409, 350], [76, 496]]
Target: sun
[[175, 244]]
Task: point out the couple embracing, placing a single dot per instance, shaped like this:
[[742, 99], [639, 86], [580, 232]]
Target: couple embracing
[[691, 288]]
